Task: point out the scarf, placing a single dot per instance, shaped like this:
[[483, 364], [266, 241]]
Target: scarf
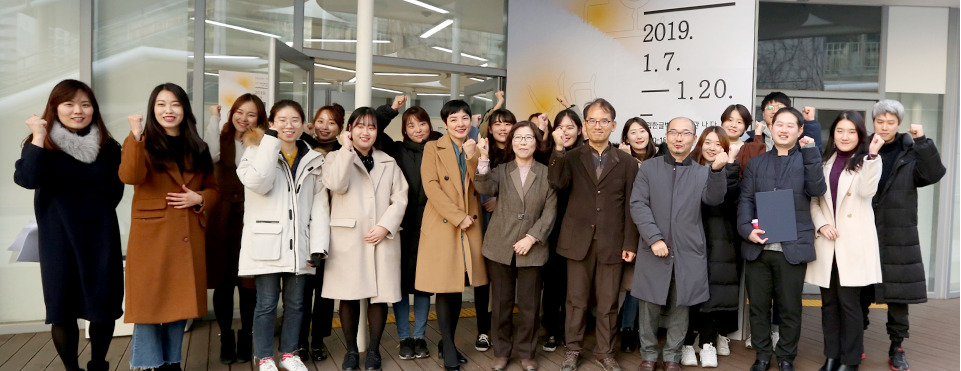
[[367, 160], [83, 145]]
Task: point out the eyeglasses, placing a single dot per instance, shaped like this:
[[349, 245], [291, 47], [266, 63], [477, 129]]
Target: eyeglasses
[[774, 107], [523, 139], [683, 134], [603, 123]]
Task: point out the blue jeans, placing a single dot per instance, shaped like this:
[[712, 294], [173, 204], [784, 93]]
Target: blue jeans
[[268, 292], [401, 313], [154, 345], [629, 311]]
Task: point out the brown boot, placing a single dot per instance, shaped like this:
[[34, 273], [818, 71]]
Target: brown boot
[[499, 363], [529, 364], [608, 364], [672, 366], [571, 358], [647, 366]]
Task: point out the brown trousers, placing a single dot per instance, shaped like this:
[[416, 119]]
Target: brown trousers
[[506, 281], [605, 279]]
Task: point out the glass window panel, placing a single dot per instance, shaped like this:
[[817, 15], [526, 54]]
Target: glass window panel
[[818, 47], [956, 237], [41, 47], [402, 29]]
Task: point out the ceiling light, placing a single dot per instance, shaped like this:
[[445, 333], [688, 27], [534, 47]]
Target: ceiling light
[[353, 79], [334, 68], [484, 65], [321, 83], [427, 6], [437, 28], [238, 28], [480, 97], [207, 56], [343, 41], [462, 54], [405, 74], [436, 94], [476, 79], [387, 90], [210, 74]]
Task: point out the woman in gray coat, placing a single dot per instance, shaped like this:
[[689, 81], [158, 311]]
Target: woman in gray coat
[[515, 243]]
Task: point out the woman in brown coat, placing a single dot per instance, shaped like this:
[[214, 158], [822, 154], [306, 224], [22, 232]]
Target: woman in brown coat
[[450, 241], [225, 225], [170, 168]]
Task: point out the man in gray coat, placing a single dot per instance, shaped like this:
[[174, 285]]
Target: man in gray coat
[[671, 268]]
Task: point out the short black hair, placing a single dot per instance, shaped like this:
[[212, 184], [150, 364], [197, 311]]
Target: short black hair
[[791, 110], [452, 107], [605, 106], [776, 96]]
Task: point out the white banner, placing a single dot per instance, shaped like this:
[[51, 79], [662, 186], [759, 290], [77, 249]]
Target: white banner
[[654, 59], [233, 84]]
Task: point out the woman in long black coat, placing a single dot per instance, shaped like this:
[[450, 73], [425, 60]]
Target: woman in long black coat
[[417, 131], [71, 162]]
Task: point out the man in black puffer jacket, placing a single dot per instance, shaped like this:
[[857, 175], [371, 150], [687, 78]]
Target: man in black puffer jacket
[[776, 270], [909, 161]]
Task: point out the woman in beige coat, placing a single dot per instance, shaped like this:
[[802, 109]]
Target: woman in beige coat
[[368, 201], [450, 240], [846, 241]]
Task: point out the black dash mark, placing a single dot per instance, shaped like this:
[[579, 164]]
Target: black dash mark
[[719, 5], [646, 115], [655, 91]]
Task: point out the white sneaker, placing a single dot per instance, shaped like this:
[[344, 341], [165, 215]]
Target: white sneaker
[[723, 345], [775, 336], [688, 357], [747, 343], [293, 364], [268, 365], [708, 356]]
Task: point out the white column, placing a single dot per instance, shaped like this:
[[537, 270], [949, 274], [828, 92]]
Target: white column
[[455, 53], [365, 55]]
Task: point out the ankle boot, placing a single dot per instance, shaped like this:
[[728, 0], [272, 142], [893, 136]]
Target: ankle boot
[[228, 353], [98, 365], [245, 346]]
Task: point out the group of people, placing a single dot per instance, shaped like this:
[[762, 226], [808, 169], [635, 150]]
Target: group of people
[[545, 215]]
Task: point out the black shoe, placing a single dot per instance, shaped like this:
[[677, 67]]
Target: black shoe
[[303, 353], [170, 367], [373, 360], [245, 346], [897, 360], [351, 361], [760, 366], [228, 353], [407, 349], [98, 366], [319, 354], [628, 340], [483, 343], [551, 344], [830, 364], [785, 366], [420, 348], [440, 354], [849, 368]]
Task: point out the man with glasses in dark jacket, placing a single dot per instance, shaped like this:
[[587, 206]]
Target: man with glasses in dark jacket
[[908, 161], [775, 271]]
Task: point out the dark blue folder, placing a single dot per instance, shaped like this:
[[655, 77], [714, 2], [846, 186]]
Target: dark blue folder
[[775, 215]]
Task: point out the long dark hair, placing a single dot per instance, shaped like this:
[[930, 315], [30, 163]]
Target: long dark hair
[[509, 149], [372, 117], [229, 130], [64, 91], [568, 113], [857, 158], [650, 150], [497, 155], [721, 137], [196, 154]]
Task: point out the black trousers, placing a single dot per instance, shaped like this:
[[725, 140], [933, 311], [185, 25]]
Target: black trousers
[[317, 321], [448, 313], [482, 299], [770, 276], [506, 282], [841, 321], [709, 325], [554, 273], [897, 325]]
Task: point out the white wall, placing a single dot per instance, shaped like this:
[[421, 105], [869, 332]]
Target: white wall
[[916, 50]]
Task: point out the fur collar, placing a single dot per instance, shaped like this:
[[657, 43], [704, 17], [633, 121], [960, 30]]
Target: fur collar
[[83, 148]]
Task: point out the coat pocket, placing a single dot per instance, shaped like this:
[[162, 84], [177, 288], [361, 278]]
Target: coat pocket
[[346, 223], [149, 209], [265, 240]]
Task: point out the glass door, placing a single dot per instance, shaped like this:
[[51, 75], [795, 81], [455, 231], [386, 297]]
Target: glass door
[[290, 75]]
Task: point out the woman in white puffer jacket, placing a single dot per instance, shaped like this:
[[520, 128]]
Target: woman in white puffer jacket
[[286, 227]]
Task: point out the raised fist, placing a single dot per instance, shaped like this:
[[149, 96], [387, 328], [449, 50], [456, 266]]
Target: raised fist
[[136, 125], [916, 131]]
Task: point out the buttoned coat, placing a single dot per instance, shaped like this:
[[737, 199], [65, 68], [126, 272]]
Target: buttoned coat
[[446, 252], [166, 267], [666, 205], [528, 209], [360, 200], [856, 248], [598, 205]]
